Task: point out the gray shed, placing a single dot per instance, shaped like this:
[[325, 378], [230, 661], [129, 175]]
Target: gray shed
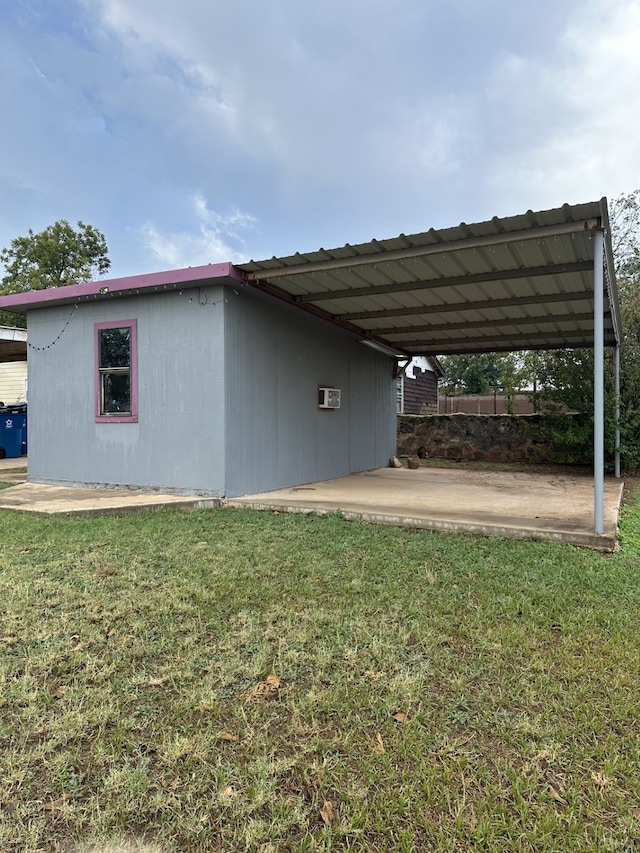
[[192, 381]]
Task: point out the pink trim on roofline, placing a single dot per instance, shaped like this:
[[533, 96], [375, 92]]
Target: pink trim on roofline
[[119, 286]]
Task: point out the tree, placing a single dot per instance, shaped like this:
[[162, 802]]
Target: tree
[[625, 242], [565, 377], [478, 373], [625, 222], [57, 256]]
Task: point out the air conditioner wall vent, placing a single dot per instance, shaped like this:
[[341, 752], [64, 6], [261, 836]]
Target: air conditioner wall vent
[[328, 398]]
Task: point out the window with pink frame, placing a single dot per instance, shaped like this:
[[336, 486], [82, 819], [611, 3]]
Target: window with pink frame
[[116, 393]]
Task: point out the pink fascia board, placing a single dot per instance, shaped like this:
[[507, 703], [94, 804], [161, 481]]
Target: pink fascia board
[[126, 286]]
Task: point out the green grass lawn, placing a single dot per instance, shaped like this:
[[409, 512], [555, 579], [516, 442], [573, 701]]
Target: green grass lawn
[[238, 681]]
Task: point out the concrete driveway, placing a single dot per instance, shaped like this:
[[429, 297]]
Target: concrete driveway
[[514, 504], [555, 506]]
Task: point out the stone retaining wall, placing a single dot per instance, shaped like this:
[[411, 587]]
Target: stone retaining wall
[[464, 437]]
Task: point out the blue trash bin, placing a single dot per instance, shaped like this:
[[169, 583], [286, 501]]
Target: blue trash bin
[[11, 427], [21, 421]]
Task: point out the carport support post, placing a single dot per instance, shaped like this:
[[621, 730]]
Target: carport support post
[[598, 380], [617, 460]]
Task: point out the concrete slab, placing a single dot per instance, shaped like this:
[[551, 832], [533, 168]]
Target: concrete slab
[[49, 500], [11, 464], [514, 504]]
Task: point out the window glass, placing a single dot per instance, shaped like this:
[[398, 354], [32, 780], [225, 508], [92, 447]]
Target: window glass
[[116, 369], [116, 393], [115, 347]]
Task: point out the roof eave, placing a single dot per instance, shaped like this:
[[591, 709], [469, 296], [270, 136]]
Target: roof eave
[[20, 303]]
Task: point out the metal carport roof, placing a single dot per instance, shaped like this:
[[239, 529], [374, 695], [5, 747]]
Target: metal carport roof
[[513, 283], [13, 344]]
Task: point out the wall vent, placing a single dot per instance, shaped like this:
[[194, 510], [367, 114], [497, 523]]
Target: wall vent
[[328, 398]]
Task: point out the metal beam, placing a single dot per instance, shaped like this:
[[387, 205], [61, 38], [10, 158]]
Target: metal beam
[[425, 349], [448, 281], [598, 381], [583, 226], [489, 343], [482, 324], [507, 302]]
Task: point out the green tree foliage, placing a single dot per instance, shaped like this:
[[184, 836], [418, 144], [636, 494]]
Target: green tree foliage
[[625, 239], [564, 384], [481, 373], [625, 222], [478, 373], [565, 377], [57, 256]]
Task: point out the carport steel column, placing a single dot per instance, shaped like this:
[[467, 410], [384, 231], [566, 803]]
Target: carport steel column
[[617, 458], [598, 380]]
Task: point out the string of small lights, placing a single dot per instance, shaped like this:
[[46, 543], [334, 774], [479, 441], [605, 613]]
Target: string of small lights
[[55, 340]]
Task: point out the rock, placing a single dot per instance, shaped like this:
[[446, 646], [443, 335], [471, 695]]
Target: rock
[[394, 462], [413, 462]]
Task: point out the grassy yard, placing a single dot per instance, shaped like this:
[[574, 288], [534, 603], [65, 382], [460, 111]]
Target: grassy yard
[[239, 681]]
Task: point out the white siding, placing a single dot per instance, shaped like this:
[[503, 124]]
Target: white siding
[[13, 382]]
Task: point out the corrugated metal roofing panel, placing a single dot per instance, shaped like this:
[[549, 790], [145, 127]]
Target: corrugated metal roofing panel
[[451, 283]]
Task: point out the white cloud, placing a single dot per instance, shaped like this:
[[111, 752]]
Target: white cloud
[[578, 126], [324, 96], [216, 238], [325, 121]]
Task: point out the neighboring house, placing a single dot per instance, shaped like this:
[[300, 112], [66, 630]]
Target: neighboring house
[[194, 382], [417, 387], [13, 365], [13, 382]]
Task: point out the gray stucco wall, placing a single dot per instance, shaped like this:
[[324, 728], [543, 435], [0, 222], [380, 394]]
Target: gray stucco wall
[[276, 358], [178, 442], [227, 388]]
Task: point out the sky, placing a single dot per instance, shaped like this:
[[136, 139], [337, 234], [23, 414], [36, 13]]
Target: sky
[[204, 131]]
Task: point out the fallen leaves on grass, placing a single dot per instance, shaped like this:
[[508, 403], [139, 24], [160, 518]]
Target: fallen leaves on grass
[[557, 796], [378, 744], [326, 812], [227, 736], [265, 690], [401, 717]]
